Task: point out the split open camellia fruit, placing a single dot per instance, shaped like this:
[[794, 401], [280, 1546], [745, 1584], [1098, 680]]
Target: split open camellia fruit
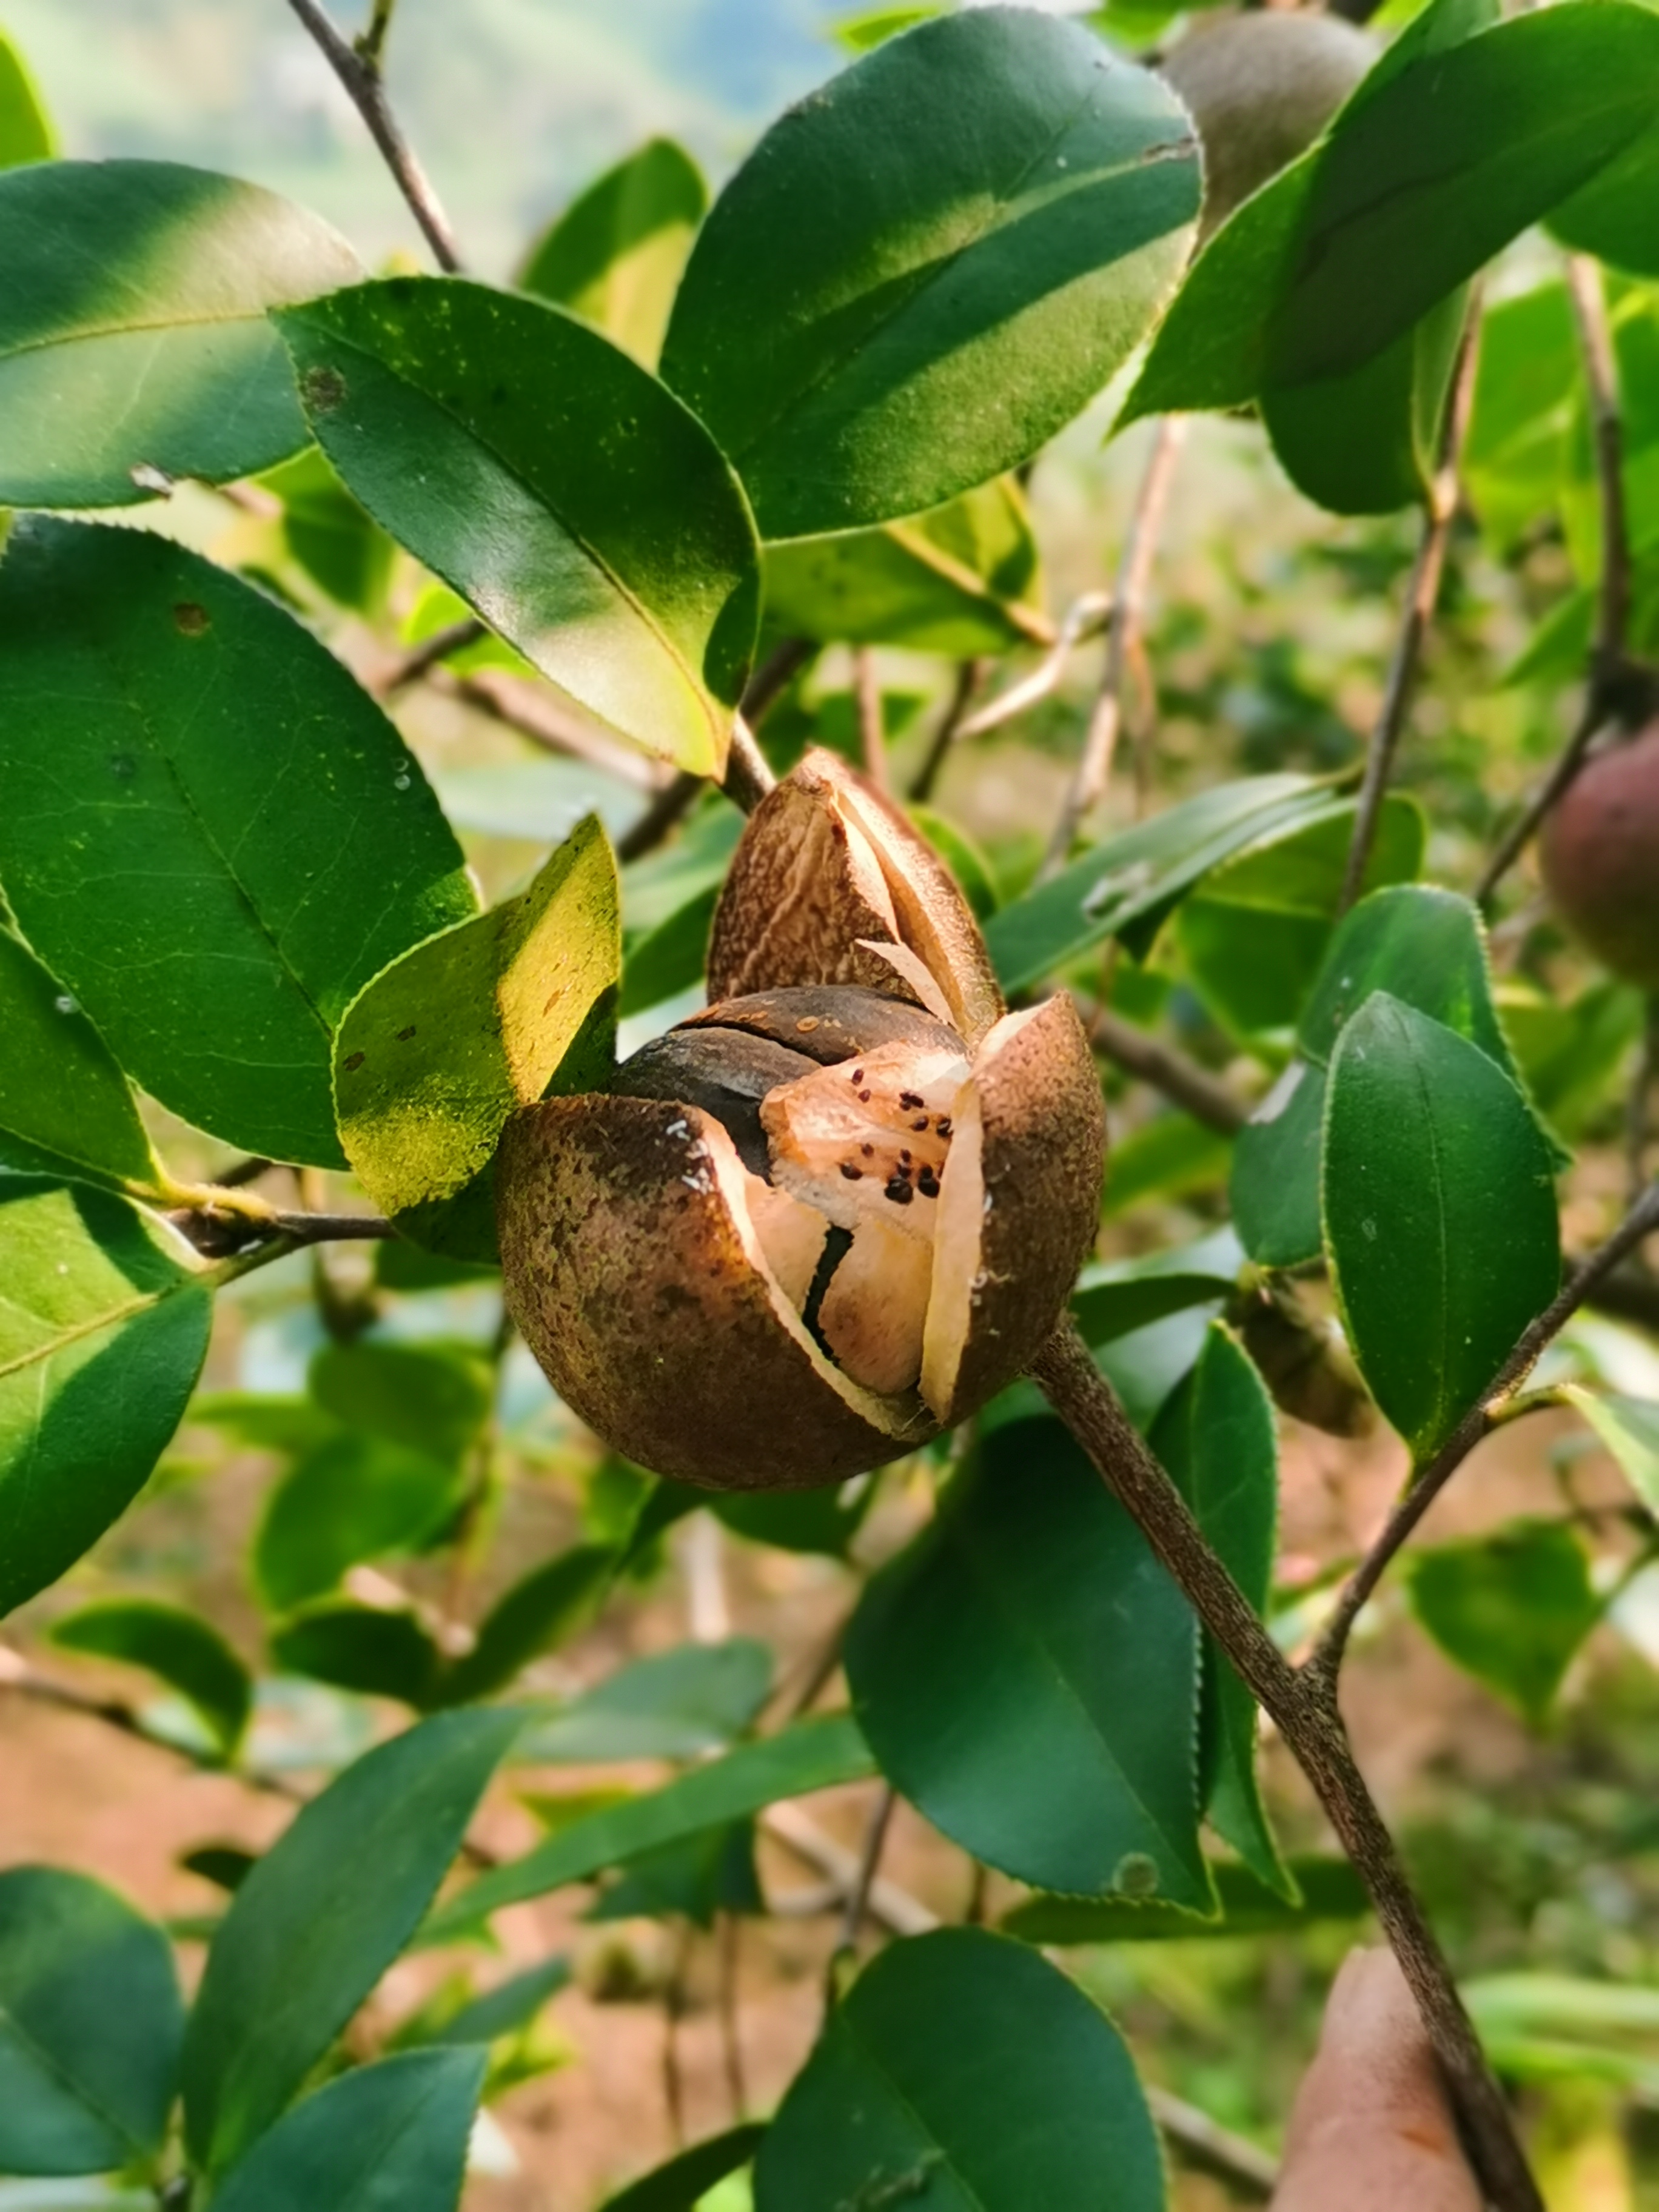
[[836, 1211]]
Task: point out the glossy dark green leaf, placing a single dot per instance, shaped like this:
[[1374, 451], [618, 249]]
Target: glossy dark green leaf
[[133, 336], [103, 1327], [1365, 442], [964, 578], [356, 1498], [61, 1092], [538, 1614], [1114, 1298], [282, 1978], [1218, 1440], [617, 254], [253, 839], [694, 1878], [90, 2025], [620, 558], [1616, 216], [1254, 934], [430, 1398], [1326, 1889], [1446, 151], [1424, 946], [825, 1520], [26, 131], [339, 546], [671, 958], [682, 1704], [395, 2133], [1146, 1366], [991, 204], [962, 2070], [435, 1053], [1629, 1427], [1027, 1676], [810, 1754], [1439, 1211], [1129, 886], [681, 2185], [508, 2010], [265, 1423], [1511, 1608], [180, 1647], [358, 1647]]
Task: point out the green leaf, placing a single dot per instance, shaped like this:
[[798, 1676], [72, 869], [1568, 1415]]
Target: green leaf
[[818, 1754], [329, 535], [1446, 151], [1365, 442], [683, 1703], [873, 27], [395, 2133], [684, 2181], [1319, 1889], [283, 1978], [1255, 933], [290, 1427], [620, 558], [1426, 947], [358, 1647], [1629, 1427], [824, 1520], [90, 2025], [1511, 1608], [431, 1398], [180, 1647], [508, 2010], [1028, 1677], [61, 1092], [103, 1329], [990, 205], [1616, 216], [1169, 1156], [252, 839], [1115, 1297], [1440, 1215], [1425, 177], [133, 339], [617, 254], [435, 1053], [964, 2069], [1527, 375], [962, 580], [695, 1879], [356, 1498], [536, 1614], [1217, 1438], [671, 958], [26, 131], [1129, 886]]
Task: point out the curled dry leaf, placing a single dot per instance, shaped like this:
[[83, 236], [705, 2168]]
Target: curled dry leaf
[[836, 1211]]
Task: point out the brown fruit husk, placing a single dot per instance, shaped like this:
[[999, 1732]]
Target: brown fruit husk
[[1600, 857]]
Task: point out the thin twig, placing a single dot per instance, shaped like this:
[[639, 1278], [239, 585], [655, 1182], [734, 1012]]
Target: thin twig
[[421, 659], [886, 1904], [1304, 1707], [1439, 513], [1085, 618], [1639, 1223], [872, 717], [749, 775], [536, 714], [858, 1897], [371, 45], [1128, 613], [1608, 673], [1166, 1069], [358, 68], [676, 799], [1206, 2144], [971, 674], [731, 1938], [673, 2007]]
